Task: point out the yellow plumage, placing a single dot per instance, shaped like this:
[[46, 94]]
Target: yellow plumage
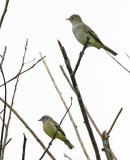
[[50, 127]]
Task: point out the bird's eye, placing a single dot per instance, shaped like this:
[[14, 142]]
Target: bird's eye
[[72, 18]]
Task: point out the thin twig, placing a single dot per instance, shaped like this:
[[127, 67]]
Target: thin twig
[[30, 61], [9, 118], [3, 56], [67, 78], [92, 120], [23, 71], [4, 12], [28, 128], [4, 113], [127, 55], [2, 121], [80, 100], [56, 131], [67, 156], [80, 56], [24, 147], [90, 117], [69, 113], [114, 121], [7, 143], [118, 62]]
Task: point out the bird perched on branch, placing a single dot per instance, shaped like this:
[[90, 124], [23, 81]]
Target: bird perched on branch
[[50, 127], [82, 31]]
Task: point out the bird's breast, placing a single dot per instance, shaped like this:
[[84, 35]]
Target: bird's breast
[[81, 35], [49, 128]]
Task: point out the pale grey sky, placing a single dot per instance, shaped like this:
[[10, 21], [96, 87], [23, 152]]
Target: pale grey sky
[[104, 85]]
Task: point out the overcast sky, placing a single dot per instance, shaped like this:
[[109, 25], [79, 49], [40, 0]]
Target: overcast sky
[[104, 85]]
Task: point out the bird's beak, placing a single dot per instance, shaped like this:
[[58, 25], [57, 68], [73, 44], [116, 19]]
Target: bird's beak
[[39, 120], [67, 18]]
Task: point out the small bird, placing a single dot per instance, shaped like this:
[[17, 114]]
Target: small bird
[[81, 31], [50, 127]]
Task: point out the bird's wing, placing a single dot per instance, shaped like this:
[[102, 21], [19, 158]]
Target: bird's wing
[[91, 32], [60, 129]]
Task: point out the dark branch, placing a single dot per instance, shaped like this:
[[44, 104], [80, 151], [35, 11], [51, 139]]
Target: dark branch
[[80, 100], [90, 117], [106, 145], [7, 143], [2, 111], [115, 121], [80, 56], [3, 56], [2, 130], [4, 12], [24, 147]]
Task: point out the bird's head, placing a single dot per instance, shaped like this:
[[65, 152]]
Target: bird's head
[[44, 118], [74, 19]]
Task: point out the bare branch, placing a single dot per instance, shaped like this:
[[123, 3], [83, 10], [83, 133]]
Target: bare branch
[[30, 61], [2, 111], [67, 156], [118, 62], [127, 55], [80, 100], [9, 118], [62, 69], [114, 121], [24, 147], [2, 122], [7, 143], [3, 56], [4, 12], [2, 130], [69, 113], [28, 128], [106, 149], [90, 117], [23, 71], [80, 56]]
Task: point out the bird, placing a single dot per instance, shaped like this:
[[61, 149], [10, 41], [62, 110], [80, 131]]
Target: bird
[[50, 127], [81, 31]]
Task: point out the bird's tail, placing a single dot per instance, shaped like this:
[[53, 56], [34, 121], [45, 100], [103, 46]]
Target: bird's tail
[[67, 142], [109, 50]]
